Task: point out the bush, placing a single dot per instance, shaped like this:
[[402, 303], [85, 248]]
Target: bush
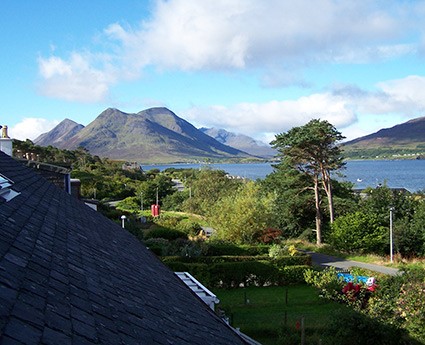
[[159, 246], [201, 272], [411, 304], [358, 232], [218, 248], [232, 274], [353, 328], [279, 263], [277, 250], [326, 281], [169, 234], [189, 227]]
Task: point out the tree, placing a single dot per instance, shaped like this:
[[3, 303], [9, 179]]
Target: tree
[[242, 215], [293, 208], [207, 187], [160, 185], [312, 150], [359, 232]]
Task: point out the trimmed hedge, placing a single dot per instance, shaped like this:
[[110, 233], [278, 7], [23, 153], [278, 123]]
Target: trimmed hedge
[[230, 249], [245, 273], [280, 262]]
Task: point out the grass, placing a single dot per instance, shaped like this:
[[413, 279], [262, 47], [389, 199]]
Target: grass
[[264, 313]]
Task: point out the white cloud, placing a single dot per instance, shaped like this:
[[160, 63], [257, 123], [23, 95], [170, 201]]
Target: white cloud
[[221, 34], [404, 96], [277, 37], [76, 79], [343, 107], [261, 120], [31, 128]]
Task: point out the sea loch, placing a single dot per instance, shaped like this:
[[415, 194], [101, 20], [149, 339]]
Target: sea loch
[[409, 174]]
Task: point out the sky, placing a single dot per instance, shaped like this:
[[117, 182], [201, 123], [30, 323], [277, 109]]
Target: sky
[[254, 67]]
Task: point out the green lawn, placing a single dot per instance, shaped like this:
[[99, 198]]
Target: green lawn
[[264, 314]]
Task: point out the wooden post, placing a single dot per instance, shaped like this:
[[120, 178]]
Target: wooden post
[[302, 331]]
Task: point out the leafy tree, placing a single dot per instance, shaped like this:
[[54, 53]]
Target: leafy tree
[[379, 200], [409, 233], [293, 209], [159, 184], [312, 149], [358, 232], [207, 188], [175, 201], [242, 215]]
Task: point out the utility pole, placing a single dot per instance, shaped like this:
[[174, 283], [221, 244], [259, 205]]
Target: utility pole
[[391, 233]]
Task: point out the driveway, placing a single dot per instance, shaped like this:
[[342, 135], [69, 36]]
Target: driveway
[[324, 260]]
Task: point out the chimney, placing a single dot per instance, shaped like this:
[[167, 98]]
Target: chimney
[[5, 141]]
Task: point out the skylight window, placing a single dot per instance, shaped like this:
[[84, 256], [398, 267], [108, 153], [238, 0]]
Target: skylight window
[[6, 192]]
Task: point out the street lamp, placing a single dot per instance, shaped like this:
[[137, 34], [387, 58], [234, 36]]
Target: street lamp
[[141, 201], [391, 233], [123, 218]]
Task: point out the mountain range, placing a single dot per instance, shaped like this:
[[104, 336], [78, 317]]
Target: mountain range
[[157, 135], [241, 142], [407, 138], [154, 135]]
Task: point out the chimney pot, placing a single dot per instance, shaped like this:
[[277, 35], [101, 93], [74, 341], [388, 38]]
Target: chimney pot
[[5, 142], [4, 132]]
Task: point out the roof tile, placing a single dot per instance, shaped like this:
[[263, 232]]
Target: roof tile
[[68, 275]]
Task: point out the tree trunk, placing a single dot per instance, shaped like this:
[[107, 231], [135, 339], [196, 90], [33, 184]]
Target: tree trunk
[[318, 212], [327, 185]]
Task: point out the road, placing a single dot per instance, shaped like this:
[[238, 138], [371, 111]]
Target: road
[[328, 260]]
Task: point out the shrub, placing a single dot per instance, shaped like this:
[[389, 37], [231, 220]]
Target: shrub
[[232, 274], [169, 234], [358, 232], [326, 281], [189, 227], [270, 235], [277, 250], [279, 263], [293, 274], [218, 248], [354, 328], [159, 246], [411, 304], [201, 272], [284, 261]]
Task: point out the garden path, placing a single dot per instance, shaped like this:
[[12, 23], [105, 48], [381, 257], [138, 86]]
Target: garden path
[[339, 263]]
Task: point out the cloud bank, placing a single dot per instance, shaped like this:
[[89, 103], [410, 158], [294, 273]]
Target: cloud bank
[[339, 106], [278, 37], [31, 128]]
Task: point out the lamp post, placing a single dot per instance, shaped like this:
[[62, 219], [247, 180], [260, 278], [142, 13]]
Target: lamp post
[[141, 201], [391, 233], [123, 217]]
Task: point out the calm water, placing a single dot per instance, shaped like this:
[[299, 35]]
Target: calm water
[[409, 174]]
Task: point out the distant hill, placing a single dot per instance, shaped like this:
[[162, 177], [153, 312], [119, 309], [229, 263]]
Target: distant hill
[[59, 135], [241, 142], [404, 139], [155, 135]]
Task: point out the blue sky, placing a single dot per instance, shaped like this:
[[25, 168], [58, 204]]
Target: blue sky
[[256, 67]]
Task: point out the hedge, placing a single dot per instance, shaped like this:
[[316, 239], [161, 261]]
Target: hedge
[[230, 249], [245, 273], [280, 262]]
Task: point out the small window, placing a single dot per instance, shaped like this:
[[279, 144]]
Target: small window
[[6, 192]]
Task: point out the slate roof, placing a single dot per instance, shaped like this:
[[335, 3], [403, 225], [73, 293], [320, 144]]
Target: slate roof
[[68, 275]]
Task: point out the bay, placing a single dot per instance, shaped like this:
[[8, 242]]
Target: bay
[[409, 174]]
